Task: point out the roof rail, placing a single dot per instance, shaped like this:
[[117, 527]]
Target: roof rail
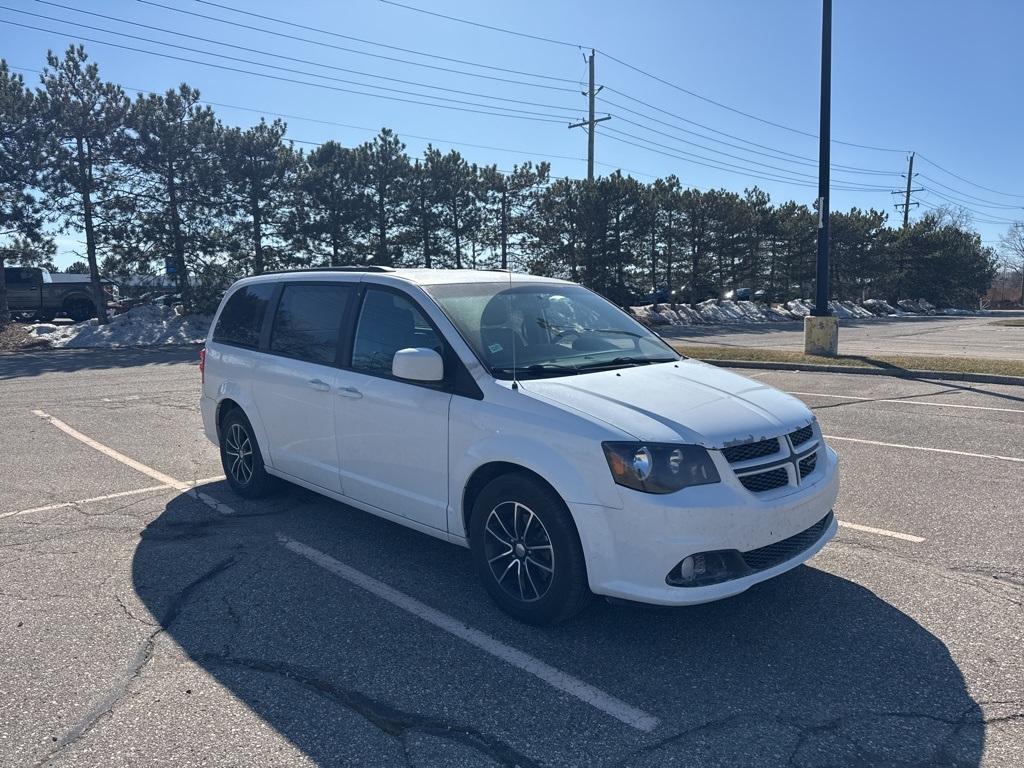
[[368, 268]]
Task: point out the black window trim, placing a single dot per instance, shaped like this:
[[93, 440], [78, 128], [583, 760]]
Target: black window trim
[[271, 302], [343, 344], [457, 380]]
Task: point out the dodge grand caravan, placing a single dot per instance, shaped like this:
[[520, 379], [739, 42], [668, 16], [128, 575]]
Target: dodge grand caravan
[[529, 419]]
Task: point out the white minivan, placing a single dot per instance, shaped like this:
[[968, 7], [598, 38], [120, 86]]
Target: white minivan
[[570, 448]]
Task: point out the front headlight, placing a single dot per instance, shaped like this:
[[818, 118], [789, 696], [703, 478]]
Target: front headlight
[[659, 467]]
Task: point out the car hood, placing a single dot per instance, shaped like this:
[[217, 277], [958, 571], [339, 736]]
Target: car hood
[[687, 400]]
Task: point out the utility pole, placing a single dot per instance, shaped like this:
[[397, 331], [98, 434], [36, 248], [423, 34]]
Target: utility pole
[[821, 328], [905, 205], [591, 94]]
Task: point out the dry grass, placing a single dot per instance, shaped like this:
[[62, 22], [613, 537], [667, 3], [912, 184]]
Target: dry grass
[[1011, 321], [894, 363], [14, 337]]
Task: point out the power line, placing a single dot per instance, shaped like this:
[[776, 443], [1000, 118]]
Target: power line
[[720, 166], [402, 134], [483, 26], [488, 108], [988, 218], [641, 71], [737, 157], [368, 42], [352, 71], [968, 181], [274, 55], [979, 200], [792, 173]]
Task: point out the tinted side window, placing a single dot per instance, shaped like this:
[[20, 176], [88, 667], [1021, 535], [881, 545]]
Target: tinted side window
[[387, 323], [308, 321], [16, 277], [241, 320]]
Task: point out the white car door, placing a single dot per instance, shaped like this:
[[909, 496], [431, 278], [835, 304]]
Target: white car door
[[393, 434], [295, 388]]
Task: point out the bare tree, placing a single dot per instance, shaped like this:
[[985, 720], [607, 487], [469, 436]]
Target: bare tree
[[1012, 247]]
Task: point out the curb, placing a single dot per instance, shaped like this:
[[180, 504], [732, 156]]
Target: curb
[[901, 373]]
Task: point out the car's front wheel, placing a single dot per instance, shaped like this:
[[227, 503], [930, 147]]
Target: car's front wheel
[[527, 551], [241, 458]]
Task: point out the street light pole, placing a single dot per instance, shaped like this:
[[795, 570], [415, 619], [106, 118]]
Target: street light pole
[[821, 328]]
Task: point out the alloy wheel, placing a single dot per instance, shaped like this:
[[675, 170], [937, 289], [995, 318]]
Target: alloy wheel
[[519, 551], [238, 448]]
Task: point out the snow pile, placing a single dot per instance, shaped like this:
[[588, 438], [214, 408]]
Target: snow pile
[[799, 307], [919, 306], [879, 307], [147, 325]]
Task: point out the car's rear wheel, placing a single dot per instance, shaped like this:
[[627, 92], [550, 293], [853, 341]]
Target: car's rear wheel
[[527, 551], [241, 458]]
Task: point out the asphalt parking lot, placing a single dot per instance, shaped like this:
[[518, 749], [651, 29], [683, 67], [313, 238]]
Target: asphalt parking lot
[[149, 617], [930, 335]]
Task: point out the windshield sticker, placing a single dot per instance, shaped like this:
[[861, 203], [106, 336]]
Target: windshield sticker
[[495, 348]]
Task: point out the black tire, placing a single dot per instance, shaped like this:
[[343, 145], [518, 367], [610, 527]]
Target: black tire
[[541, 598], [79, 310], [245, 473]]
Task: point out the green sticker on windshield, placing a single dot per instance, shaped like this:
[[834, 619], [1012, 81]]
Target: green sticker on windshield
[[495, 348]]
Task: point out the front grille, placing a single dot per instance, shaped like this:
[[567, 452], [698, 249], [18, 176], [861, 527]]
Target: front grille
[[801, 436], [747, 451], [807, 464], [787, 549], [765, 481]]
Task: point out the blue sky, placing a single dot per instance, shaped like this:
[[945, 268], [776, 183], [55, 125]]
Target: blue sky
[[938, 77]]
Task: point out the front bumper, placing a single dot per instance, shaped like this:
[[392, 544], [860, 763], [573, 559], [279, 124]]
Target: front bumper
[[630, 551]]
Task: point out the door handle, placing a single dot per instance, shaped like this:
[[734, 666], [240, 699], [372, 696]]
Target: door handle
[[349, 392], [319, 386]]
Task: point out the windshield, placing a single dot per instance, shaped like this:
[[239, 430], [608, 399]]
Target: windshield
[[546, 329]]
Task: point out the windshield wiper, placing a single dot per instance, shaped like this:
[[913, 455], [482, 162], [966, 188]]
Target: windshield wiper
[[623, 361], [535, 370], [619, 331]]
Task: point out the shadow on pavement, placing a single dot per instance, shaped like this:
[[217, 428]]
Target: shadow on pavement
[[36, 362], [809, 668]]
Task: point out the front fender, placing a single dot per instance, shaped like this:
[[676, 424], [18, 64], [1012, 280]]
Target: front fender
[[570, 460]]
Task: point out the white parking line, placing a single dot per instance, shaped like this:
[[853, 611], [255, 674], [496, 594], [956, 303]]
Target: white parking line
[[160, 477], [94, 499], [881, 532], [64, 504], [923, 448], [586, 693], [550, 675], [908, 402]]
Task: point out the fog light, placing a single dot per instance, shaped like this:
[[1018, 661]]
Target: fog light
[[692, 568], [686, 569], [705, 568]]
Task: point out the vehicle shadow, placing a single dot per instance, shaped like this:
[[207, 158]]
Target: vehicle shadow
[[809, 668], [35, 362]]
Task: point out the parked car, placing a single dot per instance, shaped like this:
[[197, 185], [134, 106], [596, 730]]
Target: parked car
[[739, 294], [34, 292], [529, 419]]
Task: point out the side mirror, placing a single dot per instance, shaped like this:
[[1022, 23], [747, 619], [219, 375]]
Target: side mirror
[[417, 364]]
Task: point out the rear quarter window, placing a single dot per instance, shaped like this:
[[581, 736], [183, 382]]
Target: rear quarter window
[[241, 320]]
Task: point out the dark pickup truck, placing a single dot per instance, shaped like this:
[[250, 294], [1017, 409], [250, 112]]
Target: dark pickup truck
[[34, 292]]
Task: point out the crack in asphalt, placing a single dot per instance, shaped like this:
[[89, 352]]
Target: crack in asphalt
[[142, 657], [832, 726], [390, 720], [978, 577]]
